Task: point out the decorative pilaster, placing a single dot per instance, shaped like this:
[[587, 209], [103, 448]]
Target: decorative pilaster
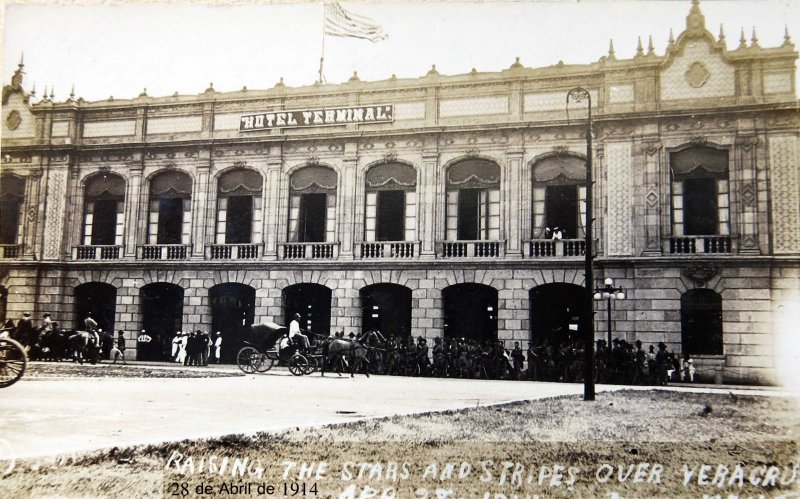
[[54, 213], [346, 194], [427, 209], [513, 207], [200, 197], [652, 198], [747, 196], [274, 231], [619, 180], [133, 209], [31, 214]]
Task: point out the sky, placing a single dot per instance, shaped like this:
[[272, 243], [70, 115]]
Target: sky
[[119, 50]]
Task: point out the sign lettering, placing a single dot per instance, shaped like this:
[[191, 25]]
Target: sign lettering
[[316, 117]]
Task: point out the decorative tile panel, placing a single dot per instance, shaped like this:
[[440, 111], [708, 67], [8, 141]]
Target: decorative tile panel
[[620, 192], [228, 121], [114, 128], [553, 101], [777, 82], [785, 182], [411, 111], [55, 215], [697, 73], [174, 124], [60, 129], [620, 93], [473, 107]]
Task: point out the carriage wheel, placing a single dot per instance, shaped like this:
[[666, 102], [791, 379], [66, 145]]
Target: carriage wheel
[[13, 362], [245, 359], [314, 363], [298, 364], [262, 362]]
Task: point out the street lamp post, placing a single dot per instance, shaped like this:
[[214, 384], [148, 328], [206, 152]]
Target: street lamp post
[[580, 94], [609, 292]]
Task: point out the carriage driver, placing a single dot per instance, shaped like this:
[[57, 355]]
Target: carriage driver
[[294, 330]]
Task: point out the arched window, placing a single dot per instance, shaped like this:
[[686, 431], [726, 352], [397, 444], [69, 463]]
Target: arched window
[[12, 195], [239, 207], [701, 322], [312, 205], [559, 197], [391, 203], [170, 206], [700, 192], [103, 210], [473, 201]]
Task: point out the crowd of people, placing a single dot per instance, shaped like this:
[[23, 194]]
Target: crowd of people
[[196, 348], [621, 363]]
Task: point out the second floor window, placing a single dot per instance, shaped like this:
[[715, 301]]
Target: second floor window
[[104, 208], [239, 207], [559, 197], [391, 203], [312, 205], [700, 192], [170, 208], [12, 194], [473, 201]]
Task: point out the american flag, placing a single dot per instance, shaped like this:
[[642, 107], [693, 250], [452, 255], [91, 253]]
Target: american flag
[[339, 22]]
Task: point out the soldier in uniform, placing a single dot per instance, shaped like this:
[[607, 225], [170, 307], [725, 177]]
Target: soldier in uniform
[[517, 358]]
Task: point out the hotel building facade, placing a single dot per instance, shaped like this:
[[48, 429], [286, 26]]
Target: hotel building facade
[[423, 206]]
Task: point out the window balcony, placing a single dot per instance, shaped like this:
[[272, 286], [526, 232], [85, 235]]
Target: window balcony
[[690, 245], [10, 250], [99, 252], [556, 248], [396, 250], [164, 252], [308, 251], [232, 251], [471, 249]]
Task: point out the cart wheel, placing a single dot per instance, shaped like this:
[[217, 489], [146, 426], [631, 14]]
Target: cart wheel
[[262, 362], [313, 364], [13, 362], [298, 364], [245, 359]]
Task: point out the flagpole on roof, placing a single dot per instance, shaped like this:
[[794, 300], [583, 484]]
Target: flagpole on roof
[[322, 57]]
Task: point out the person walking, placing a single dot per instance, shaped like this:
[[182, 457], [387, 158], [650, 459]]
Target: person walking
[[118, 350]]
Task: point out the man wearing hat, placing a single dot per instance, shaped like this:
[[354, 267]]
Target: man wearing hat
[[294, 331], [47, 323], [25, 330]]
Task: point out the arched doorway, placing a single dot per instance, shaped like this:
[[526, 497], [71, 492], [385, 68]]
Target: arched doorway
[[386, 307], [313, 303], [99, 299], [232, 312], [701, 322], [162, 317], [470, 312], [556, 313]]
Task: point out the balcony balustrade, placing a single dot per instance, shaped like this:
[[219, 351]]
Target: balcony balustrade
[[232, 251], [471, 249], [690, 245], [96, 252], [164, 252], [10, 250], [397, 250], [308, 251], [556, 248]]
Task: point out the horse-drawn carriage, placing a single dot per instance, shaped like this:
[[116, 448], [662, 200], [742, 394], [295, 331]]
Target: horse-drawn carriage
[[13, 361], [270, 343]]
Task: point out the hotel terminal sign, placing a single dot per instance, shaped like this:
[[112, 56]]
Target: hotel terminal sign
[[316, 117]]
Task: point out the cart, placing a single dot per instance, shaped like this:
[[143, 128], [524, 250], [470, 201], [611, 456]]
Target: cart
[[13, 362]]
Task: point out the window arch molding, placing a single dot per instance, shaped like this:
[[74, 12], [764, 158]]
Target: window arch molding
[[571, 170], [402, 183], [461, 161]]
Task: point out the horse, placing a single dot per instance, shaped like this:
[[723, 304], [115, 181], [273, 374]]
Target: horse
[[352, 350], [83, 345]]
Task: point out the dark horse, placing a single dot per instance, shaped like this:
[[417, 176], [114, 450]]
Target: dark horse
[[354, 351]]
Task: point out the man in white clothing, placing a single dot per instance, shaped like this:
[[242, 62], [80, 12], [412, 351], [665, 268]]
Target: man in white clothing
[[294, 330]]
